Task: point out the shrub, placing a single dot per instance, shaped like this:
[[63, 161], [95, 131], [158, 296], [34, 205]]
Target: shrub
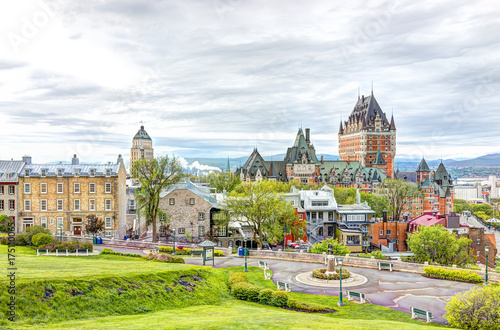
[[42, 239], [178, 260], [246, 291], [105, 250], [237, 278], [28, 234], [6, 223], [298, 306], [320, 273], [478, 308], [109, 251], [322, 246], [265, 296], [4, 241], [453, 274], [71, 246], [279, 299]]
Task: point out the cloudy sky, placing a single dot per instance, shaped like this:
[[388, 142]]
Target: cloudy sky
[[214, 78]]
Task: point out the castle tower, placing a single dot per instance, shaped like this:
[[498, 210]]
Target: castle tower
[[366, 132], [423, 172], [142, 146]]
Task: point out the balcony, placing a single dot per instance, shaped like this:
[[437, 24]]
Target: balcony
[[366, 243]]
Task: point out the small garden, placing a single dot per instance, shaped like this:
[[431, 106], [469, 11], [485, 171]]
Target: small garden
[[321, 274], [452, 274], [181, 250]]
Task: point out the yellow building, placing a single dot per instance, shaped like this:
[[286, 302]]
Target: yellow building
[[61, 196], [142, 146]]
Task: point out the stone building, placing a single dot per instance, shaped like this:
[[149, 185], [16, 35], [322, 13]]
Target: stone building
[[142, 146], [60, 196], [9, 178], [190, 209], [366, 133]]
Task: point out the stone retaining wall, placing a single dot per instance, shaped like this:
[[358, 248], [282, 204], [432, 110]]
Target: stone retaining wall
[[400, 266]]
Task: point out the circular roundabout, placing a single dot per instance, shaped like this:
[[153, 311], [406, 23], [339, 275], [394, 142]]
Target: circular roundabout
[[309, 279]]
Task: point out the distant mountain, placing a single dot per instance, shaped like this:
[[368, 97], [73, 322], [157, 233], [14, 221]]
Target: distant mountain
[[486, 160]]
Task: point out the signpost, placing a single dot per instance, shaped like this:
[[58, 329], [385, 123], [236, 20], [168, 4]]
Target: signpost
[[208, 251]]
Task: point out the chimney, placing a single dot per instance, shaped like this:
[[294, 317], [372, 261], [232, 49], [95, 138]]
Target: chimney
[[322, 161], [142, 128], [120, 159], [75, 160], [27, 159], [308, 131]]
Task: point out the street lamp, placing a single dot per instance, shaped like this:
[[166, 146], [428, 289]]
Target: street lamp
[[340, 303], [486, 250], [60, 227], [173, 251], [245, 252]]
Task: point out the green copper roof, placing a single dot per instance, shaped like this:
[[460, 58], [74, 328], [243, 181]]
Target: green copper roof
[[423, 167], [379, 160], [142, 134]]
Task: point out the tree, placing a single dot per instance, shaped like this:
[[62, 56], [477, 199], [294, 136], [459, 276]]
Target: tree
[[345, 195], [6, 223], [260, 207], [338, 249], [437, 244], [154, 175], [376, 202], [478, 308], [223, 181], [94, 224], [398, 194], [459, 206], [485, 208]]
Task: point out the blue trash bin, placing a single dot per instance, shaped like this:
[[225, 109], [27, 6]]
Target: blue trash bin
[[99, 240], [240, 251], [125, 238]]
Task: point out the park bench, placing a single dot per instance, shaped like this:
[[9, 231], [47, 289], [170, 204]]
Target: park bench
[[267, 275], [39, 252], [352, 294], [415, 313], [66, 253], [283, 286], [82, 251], [263, 265], [385, 265], [198, 253]]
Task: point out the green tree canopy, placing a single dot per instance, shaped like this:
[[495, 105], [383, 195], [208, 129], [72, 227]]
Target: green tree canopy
[[223, 181], [154, 175], [437, 244], [398, 194], [460, 205], [485, 208], [338, 249], [260, 206]]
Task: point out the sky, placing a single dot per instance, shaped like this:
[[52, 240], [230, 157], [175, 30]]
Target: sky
[[215, 78]]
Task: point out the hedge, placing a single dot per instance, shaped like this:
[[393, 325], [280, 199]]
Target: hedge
[[186, 251], [109, 251], [71, 246], [453, 275]]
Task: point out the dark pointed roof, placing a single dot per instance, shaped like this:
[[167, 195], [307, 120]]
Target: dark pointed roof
[[368, 108], [341, 129], [442, 176], [300, 147], [423, 167], [393, 125], [142, 134], [379, 160]]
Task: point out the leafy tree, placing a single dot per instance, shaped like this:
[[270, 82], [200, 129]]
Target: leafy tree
[[485, 208], [259, 206], [376, 202], [5, 223], [223, 181], [398, 193], [478, 308], [154, 175], [460, 205], [345, 195], [338, 249], [437, 244], [94, 225], [27, 235]]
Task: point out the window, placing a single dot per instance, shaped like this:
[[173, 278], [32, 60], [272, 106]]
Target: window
[[51, 221], [43, 205], [397, 232], [76, 205], [76, 188], [319, 203], [107, 204], [59, 222], [1, 190], [191, 201], [12, 190], [92, 188], [92, 172], [43, 188], [201, 231], [181, 231], [60, 204], [27, 172], [201, 216], [478, 241], [77, 171], [27, 205], [388, 232], [43, 221], [27, 188], [108, 172], [1, 204], [60, 188], [107, 188], [59, 172], [43, 173], [301, 217], [381, 232], [12, 205], [108, 222], [171, 201]]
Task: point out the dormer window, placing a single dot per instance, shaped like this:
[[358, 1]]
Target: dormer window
[[43, 172], [59, 172], [27, 172], [92, 172], [77, 171], [108, 172]]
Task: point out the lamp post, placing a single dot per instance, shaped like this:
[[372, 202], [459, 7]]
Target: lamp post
[[245, 254], [60, 228], [173, 251], [486, 250], [340, 303]]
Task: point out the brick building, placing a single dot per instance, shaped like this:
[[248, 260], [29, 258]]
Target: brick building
[[391, 235], [9, 179], [59, 196], [366, 134]]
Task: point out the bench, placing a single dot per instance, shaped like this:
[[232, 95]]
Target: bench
[[82, 251], [267, 275], [283, 286], [352, 294], [415, 313], [263, 265], [39, 252], [198, 253], [384, 265], [155, 250], [66, 252]]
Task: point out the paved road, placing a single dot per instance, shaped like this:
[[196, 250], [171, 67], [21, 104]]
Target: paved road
[[396, 290]]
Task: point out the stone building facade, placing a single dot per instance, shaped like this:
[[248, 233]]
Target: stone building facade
[[142, 146], [9, 178], [61, 196]]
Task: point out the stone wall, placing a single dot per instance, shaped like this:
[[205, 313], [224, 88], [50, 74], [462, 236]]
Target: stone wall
[[356, 262]]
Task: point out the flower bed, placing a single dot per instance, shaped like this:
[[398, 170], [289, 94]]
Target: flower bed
[[320, 273], [453, 275], [180, 250]]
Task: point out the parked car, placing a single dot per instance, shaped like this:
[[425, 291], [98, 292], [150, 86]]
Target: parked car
[[303, 246], [295, 245], [265, 245]]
